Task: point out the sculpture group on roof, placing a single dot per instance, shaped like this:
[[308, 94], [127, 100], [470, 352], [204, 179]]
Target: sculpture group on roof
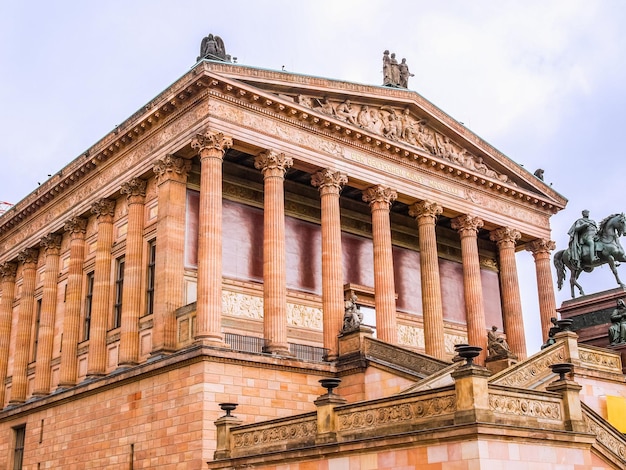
[[395, 74], [400, 125]]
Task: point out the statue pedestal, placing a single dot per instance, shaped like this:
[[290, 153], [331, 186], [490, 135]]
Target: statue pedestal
[[591, 315], [497, 363]]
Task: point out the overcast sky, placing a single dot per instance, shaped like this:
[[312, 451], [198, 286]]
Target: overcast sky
[[542, 81]]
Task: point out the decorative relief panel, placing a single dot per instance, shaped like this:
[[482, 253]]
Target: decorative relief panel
[[302, 430], [531, 371], [599, 359], [605, 436], [396, 413], [238, 304], [522, 406], [411, 336], [421, 364]]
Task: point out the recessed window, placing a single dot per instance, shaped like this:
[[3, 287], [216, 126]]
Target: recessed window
[[150, 277], [88, 306], [119, 289], [18, 453]]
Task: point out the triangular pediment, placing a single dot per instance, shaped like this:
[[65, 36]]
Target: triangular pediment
[[396, 117]]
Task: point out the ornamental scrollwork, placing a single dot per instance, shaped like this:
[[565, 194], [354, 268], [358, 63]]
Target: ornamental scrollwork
[[525, 407], [276, 434], [533, 370]]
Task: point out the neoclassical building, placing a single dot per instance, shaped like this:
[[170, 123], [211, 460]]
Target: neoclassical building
[[204, 252]]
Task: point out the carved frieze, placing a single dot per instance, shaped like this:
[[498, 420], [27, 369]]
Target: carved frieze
[[595, 359], [418, 363], [298, 431], [389, 414], [533, 370], [607, 437], [524, 406]]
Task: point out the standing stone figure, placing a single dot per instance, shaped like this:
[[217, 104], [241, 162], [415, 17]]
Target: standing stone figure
[[386, 69], [404, 74], [617, 330], [395, 70], [582, 233]]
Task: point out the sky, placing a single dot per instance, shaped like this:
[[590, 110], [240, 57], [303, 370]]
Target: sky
[[542, 81]]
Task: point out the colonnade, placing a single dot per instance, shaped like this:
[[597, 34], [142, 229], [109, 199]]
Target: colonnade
[[171, 180]]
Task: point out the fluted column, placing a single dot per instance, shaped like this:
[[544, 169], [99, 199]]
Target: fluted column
[[211, 147], [274, 165], [468, 227], [52, 246], [380, 199], [73, 300], [8, 271], [171, 174], [426, 213], [505, 239], [135, 191], [104, 209], [28, 258], [541, 249], [330, 183]]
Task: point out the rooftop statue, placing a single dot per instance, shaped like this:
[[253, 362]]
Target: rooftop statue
[[212, 48], [591, 246], [394, 74]]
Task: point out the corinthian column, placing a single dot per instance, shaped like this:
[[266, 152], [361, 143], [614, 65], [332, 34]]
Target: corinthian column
[[7, 275], [171, 174], [380, 199], [426, 213], [211, 147], [135, 191], [73, 299], [330, 183], [52, 246], [505, 239], [104, 209], [541, 249], [28, 258], [274, 165], [468, 227]]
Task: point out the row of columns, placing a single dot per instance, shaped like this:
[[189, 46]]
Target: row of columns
[[171, 177]]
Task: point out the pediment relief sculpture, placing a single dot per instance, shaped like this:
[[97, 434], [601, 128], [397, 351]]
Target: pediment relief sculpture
[[400, 125]]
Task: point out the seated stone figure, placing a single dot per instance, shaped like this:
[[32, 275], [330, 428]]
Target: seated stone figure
[[496, 344], [352, 317]]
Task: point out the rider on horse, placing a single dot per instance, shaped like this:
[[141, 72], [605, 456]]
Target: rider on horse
[[583, 233]]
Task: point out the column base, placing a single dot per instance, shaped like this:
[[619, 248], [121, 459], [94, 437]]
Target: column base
[[277, 350], [211, 342], [498, 363]]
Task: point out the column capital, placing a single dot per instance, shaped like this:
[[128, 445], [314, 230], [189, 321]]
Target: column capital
[[135, 190], [51, 243], [505, 236], [8, 270], [272, 163], [425, 210], [541, 246], [104, 209], [28, 256], [467, 225], [329, 181], [208, 140], [171, 167], [76, 226], [379, 196]]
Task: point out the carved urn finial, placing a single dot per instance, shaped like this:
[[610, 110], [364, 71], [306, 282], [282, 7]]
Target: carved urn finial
[[329, 384], [468, 353], [562, 368], [228, 407]]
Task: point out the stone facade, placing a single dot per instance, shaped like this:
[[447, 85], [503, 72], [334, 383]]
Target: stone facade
[[201, 254]]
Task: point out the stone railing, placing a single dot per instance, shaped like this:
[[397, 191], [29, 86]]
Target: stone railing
[[419, 364], [532, 407], [273, 435], [599, 359], [609, 441]]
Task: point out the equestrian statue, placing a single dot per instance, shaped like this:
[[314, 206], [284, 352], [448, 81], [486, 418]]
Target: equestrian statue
[[591, 246]]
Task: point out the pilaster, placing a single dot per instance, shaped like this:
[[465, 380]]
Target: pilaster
[[135, 191], [171, 174], [104, 209], [21, 354], [380, 199], [52, 248], [505, 239], [330, 183], [274, 165], [76, 227], [8, 270]]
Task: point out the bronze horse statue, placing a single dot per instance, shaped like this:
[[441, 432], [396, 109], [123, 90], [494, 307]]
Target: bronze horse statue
[[608, 249]]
